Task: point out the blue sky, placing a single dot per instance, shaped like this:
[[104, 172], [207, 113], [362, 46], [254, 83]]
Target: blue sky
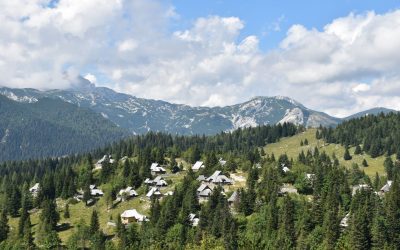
[[261, 17], [339, 57]]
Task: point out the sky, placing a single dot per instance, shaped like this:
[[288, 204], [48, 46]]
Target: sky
[[339, 57]]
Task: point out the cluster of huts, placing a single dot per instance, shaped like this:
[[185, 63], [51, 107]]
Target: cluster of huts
[[209, 183]]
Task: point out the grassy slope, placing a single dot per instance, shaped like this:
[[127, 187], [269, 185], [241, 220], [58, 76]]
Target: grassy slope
[[291, 146], [79, 211]]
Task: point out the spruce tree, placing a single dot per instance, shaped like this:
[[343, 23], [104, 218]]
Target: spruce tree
[[28, 237], [94, 223], [52, 241], [377, 182], [357, 150], [86, 194], [23, 217], [286, 233], [392, 205], [365, 163], [98, 241], [347, 155], [388, 164], [359, 229], [49, 218], [14, 203], [66, 211], [4, 227], [378, 228]]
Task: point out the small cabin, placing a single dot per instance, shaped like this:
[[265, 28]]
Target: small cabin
[[204, 192], [218, 178], [129, 216], [127, 193], [156, 169], [34, 190], [197, 166], [154, 192]]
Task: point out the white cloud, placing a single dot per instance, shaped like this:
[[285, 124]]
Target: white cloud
[[362, 87], [91, 78], [349, 65], [127, 45]]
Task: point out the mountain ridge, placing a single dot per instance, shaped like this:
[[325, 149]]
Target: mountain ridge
[[372, 111], [140, 115]]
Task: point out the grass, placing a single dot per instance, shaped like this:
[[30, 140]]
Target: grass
[[80, 212], [291, 146]]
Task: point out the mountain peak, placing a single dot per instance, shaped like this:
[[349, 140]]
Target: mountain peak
[[82, 83]]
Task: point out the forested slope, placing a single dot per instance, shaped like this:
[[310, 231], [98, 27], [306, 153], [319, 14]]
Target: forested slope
[[51, 128], [375, 134], [305, 202]]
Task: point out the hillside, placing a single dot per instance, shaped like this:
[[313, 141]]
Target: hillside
[[291, 146], [237, 200], [140, 115], [50, 127]]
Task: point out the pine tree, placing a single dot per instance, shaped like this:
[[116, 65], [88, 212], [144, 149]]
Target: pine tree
[[359, 230], [347, 155], [23, 217], [305, 142], [211, 161], [86, 194], [155, 211], [365, 163], [28, 238], [392, 200], [52, 241], [94, 223], [375, 149], [49, 214], [4, 227], [388, 164], [66, 211], [120, 228], [398, 154], [377, 182], [357, 150], [14, 203], [378, 228], [286, 233], [98, 241]]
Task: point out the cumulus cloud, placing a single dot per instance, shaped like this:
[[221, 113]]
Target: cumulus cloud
[[349, 65]]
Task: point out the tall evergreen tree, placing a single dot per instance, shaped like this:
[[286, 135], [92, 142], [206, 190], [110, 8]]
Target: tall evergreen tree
[[50, 215], [389, 165], [392, 200], [66, 211], [23, 217], [4, 227], [286, 233], [28, 237], [94, 223], [347, 155], [357, 151]]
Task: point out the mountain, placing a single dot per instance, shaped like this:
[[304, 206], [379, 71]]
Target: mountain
[[34, 128], [373, 111], [140, 115]]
